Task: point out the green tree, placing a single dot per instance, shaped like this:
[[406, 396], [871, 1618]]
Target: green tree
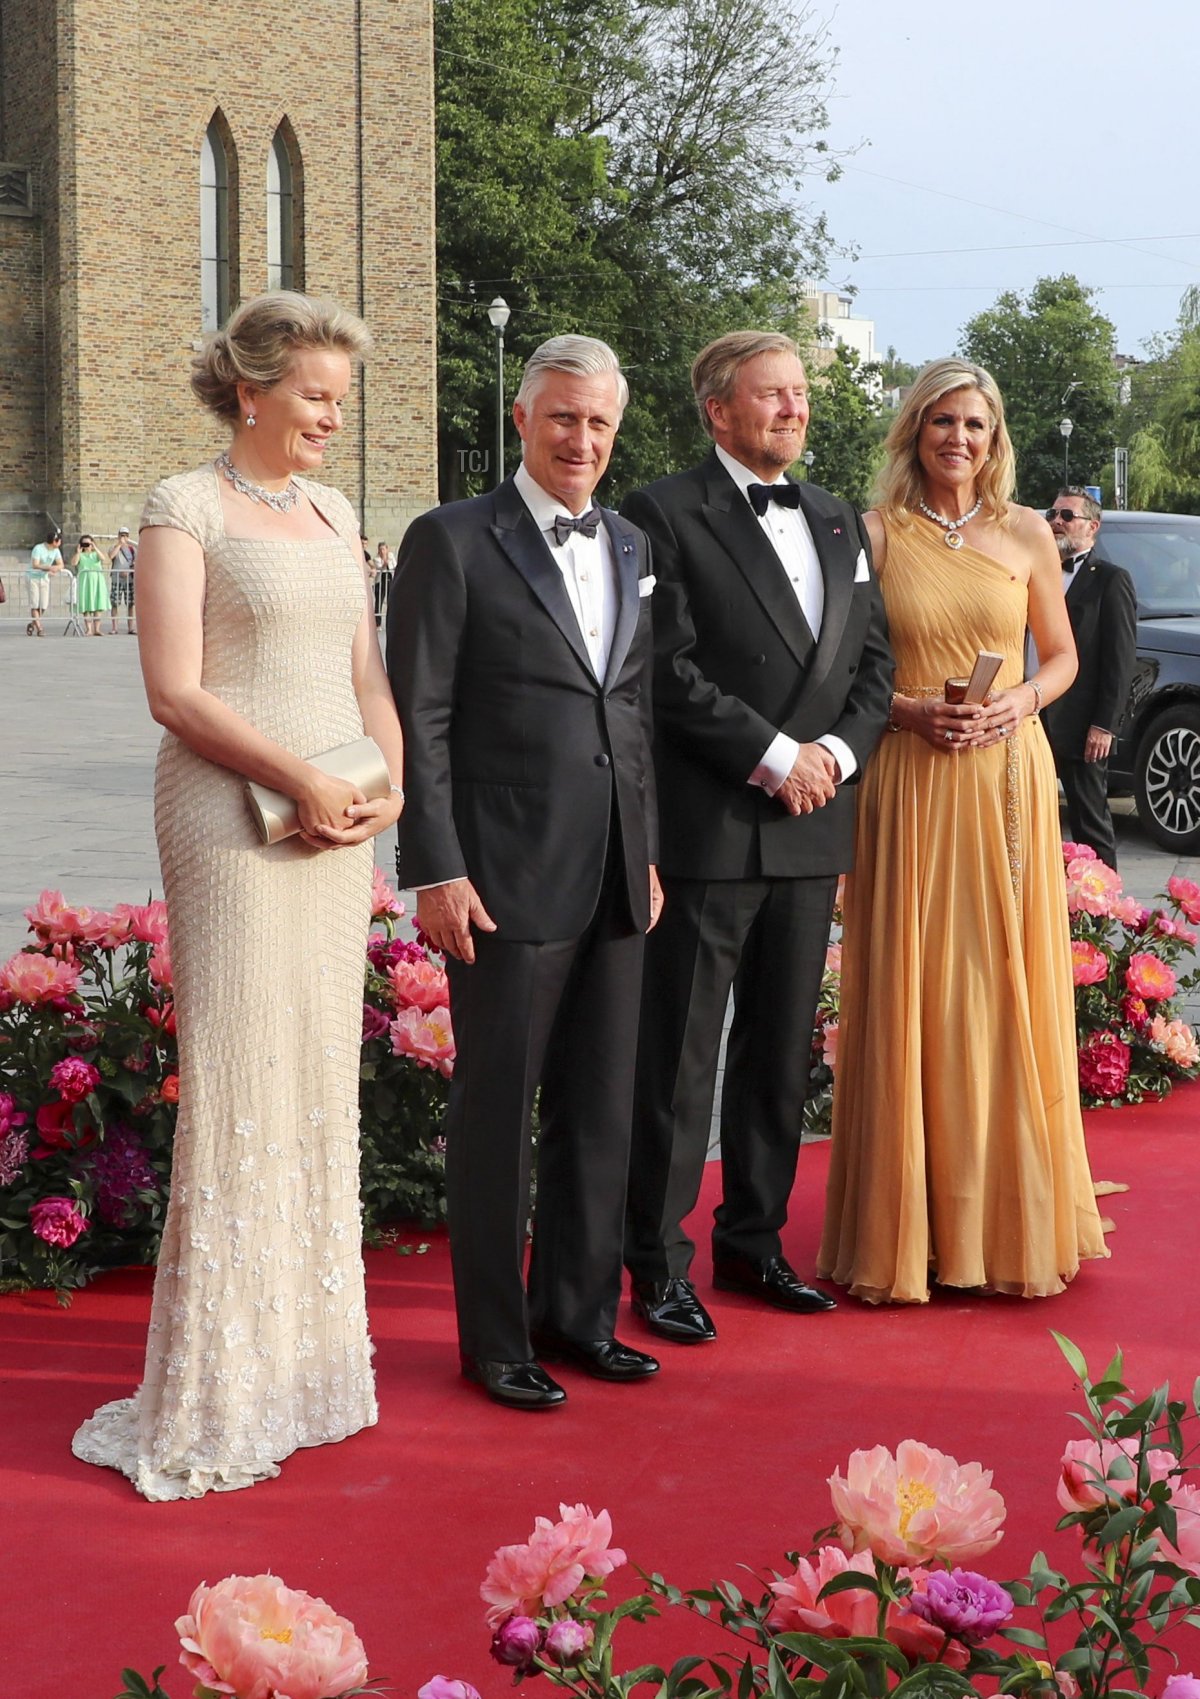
[[1051, 352], [629, 169], [1162, 421], [844, 431]]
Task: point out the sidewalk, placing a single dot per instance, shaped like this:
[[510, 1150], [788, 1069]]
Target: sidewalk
[[77, 782]]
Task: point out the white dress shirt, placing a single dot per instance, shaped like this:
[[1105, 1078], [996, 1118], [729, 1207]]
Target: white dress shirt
[[787, 532], [589, 572]]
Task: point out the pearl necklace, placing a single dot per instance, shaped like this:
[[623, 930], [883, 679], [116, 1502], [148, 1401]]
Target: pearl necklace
[[282, 501], [951, 527]]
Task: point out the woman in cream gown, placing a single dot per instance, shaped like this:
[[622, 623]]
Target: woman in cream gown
[[958, 1150], [258, 649]]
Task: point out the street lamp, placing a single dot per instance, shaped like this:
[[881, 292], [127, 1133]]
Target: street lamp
[[1066, 427], [498, 313], [808, 457]]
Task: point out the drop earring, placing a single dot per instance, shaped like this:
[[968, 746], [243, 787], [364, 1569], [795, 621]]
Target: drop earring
[[251, 420]]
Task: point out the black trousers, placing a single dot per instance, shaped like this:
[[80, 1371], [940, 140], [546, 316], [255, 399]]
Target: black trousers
[[766, 940], [563, 1015], [1088, 813]]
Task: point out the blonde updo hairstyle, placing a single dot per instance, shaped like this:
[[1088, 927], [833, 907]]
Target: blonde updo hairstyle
[[262, 338], [898, 486]]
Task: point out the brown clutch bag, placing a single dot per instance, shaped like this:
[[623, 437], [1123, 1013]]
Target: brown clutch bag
[[983, 676], [360, 763]]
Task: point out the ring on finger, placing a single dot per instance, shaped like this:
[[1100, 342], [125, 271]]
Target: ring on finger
[[949, 736]]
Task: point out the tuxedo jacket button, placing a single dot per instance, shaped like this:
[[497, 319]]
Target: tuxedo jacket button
[[602, 760], [758, 660]]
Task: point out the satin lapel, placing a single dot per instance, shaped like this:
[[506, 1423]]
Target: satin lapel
[[1082, 583], [730, 518], [835, 549], [624, 548], [525, 547]]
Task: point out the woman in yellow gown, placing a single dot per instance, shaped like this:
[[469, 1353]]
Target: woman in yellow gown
[[958, 1151]]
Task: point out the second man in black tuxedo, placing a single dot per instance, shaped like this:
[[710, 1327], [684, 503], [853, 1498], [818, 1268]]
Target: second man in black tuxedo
[[520, 649], [1081, 725], [772, 684]]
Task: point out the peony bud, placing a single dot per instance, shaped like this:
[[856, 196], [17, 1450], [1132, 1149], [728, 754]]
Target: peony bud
[[517, 1642], [443, 1687], [567, 1640]]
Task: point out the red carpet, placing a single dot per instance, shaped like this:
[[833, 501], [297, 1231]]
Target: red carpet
[[720, 1461]]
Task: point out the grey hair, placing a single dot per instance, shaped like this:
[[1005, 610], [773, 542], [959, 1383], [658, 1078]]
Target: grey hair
[[583, 356], [1091, 507]]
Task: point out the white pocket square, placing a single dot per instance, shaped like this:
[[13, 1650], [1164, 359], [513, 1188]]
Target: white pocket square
[[861, 570], [646, 585]]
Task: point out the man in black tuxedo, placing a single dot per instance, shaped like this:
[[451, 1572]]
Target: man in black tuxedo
[[520, 655], [1082, 723], [772, 684]]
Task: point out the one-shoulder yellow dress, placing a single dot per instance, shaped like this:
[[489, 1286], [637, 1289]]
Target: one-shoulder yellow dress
[[958, 1150]]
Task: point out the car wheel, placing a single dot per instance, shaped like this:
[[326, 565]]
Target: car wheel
[[1167, 778]]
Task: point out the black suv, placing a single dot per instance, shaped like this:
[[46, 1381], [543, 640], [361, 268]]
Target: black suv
[[1157, 752]]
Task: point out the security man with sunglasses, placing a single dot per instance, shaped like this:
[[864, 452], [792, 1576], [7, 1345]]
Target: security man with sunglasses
[[1083, 723]]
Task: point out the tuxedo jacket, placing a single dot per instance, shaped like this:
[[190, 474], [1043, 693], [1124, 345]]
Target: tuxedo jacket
[[736, 662], [1102, 606], [521, 767]]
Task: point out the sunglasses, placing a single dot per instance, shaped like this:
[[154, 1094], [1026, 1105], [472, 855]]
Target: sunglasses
[[1068, 515]]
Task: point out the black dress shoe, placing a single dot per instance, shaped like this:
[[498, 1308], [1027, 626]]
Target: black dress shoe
[[773, 1281], [671, 1307], [607, 1359], [522, 1386]]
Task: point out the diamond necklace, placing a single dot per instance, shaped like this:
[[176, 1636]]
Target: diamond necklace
[[283, 501], [951, 527]]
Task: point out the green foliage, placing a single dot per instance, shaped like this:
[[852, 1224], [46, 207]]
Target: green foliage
[[1164, 451], [628, 169], [1051, 352], [846, 430]]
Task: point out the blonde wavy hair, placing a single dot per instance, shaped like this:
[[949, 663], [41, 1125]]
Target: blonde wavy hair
[[261, 339], [898, 486]]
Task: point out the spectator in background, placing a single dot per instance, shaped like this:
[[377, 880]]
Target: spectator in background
[[121, 558], [1081, 725], [45, 560], [384, 567], [91, 585]]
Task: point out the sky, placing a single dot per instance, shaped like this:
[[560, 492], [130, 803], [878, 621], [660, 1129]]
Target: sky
[[1006, 137]]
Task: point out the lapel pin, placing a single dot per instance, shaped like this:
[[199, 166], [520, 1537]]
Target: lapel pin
[[837, 530]]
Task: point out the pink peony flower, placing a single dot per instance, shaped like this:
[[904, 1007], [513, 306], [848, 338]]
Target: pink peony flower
[[1185, 1502], [917, 1505], [146, 922], [1078, 852], [57, 1221], [1088, 962], [1092, 888], [428, 1039], [161, 971], [798, 1610], [1177, 1040], [921, 1642], [964, 1604], [1149, 976], [1135, 1013], [8, 1113], [1181, 1687], [1167, 927], [516, 1642], [1104, 1064], [1086, 1466], [56, 922], [384, 900], [833, 959], [38, 979], [1130, 913], [443, 1687], [567, 1640], [255, 1638], [73, 1079], [420, 985], [1185, 894], [829, 1044], [555, 1562]]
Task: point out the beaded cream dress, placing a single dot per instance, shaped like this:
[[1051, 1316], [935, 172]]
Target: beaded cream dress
[[258, 1338]]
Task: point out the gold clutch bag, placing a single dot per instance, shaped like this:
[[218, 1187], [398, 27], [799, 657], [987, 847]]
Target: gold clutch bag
[[360, 763]]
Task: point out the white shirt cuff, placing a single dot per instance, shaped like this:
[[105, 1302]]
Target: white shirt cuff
[[776, 764], [842, 754]]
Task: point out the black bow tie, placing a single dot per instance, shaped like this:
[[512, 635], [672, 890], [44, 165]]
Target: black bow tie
[[762, 495], [587, 525]]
